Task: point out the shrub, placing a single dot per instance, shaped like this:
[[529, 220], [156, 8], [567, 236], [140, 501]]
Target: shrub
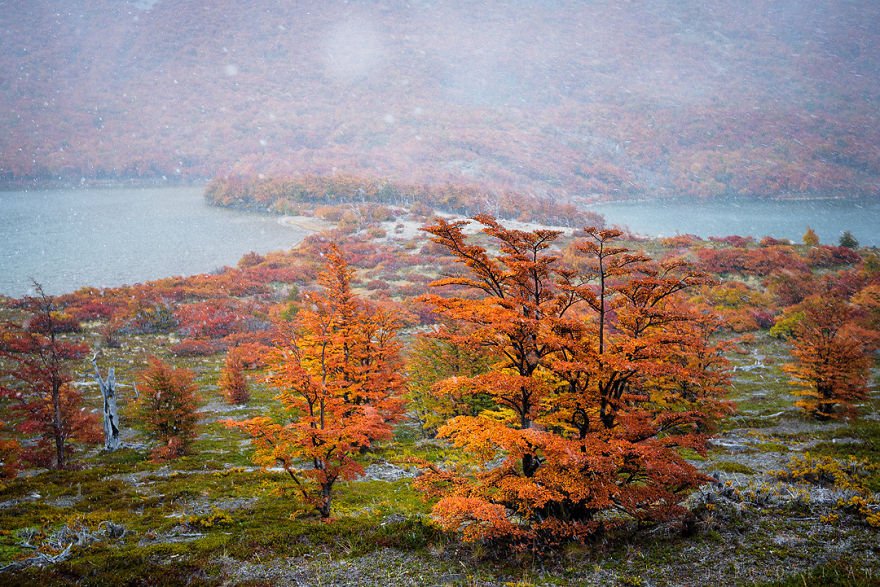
[[168, 407], [232, 381], [195, 348]]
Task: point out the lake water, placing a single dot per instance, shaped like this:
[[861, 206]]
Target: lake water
[[66, 239], [750, 217]]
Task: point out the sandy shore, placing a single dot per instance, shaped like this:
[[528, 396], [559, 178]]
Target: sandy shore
[[307, 223]]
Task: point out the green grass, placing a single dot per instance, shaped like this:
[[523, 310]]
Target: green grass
[[771, 447]]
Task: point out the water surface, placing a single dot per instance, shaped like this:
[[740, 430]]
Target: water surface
[[66, 239], [750, 217]]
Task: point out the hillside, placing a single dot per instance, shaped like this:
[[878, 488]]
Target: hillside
[[604, 99]]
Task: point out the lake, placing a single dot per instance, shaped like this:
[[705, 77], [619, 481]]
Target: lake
[[750, 217], [70, 238], [66, 239]]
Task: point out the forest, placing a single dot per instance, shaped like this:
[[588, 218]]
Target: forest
[[423, 397]]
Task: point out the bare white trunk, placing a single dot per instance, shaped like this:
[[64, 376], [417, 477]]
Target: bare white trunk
[[111, 414]]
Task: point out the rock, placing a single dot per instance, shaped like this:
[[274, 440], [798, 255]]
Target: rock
[[393, 519], [114, 531], [729, 445], [386, 472]]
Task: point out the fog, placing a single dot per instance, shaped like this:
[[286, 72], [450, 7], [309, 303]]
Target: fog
[[596, 100]]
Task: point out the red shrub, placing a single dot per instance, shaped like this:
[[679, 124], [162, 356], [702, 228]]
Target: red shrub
[[196, 348]]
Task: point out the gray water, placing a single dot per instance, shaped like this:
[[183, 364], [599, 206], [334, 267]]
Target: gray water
[[67, 239], [750, 217]]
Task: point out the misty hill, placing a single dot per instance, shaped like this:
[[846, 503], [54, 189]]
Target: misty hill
[[611, 98]]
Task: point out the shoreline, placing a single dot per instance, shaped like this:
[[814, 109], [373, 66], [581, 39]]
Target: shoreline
[[588, 201], [86, 184], [307, 223]]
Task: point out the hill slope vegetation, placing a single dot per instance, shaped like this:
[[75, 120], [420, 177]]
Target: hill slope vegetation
[[602, 98]]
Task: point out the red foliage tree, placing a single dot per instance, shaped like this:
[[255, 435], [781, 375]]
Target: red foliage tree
[[599, 375], [37, 377], [337, 371], [233, 383], [10, 452], [168, 406]]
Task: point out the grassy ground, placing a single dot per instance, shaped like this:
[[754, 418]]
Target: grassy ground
[[212, 518]]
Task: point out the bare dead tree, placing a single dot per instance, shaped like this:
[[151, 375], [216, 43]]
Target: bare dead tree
[[111, 413]]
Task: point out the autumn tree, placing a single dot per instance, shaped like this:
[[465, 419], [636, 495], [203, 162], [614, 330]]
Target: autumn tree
[[168, 405], [600, 372], [10, 453], [810, 238], [232, 382], [832, 361], [431, 361], [337, 370], [37, 377], [867, 300]]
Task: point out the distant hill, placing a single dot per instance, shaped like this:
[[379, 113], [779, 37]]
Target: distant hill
[[608, 98]]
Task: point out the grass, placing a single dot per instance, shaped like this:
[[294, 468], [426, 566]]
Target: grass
[[255, 517], [772, 447], [837, 573], [866, 445]]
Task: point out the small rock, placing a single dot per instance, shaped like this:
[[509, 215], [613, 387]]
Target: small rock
[[393, 519], [114, 531], [729, 445], [386, 472]]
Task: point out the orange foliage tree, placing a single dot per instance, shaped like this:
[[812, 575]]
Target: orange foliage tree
[[601, 372], [832, 361], [337, 370], [168, 405], [36, 377]]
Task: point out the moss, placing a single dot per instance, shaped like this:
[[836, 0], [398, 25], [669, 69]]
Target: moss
[[690, 454], [217, 518], [842, 573], [866, 446], [176, 564], [772, 447], [10, 550], [264, 519]]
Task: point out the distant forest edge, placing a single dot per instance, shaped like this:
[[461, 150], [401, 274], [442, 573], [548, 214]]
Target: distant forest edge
[[597, 100], [319, 195]]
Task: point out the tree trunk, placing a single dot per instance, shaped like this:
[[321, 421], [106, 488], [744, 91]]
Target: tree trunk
[[58, 426], [324, 507], [530, 464], [111, 414]]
